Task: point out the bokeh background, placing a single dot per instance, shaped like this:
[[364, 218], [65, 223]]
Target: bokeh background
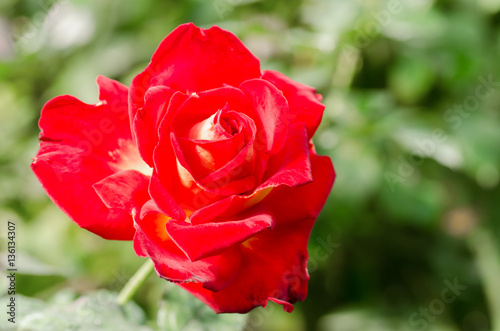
[[412, 124]]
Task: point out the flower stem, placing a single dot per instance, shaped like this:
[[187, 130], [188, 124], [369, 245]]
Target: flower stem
[[135, 282], [488, 263]]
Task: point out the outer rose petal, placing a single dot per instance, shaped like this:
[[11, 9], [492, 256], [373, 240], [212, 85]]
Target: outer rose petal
[[273, 268], [96, 129], [152, 240], [207, 239], [283, 199], [80, 145], [295, 168], [67, 176], [126, 189], [191, 59], [304, 103]]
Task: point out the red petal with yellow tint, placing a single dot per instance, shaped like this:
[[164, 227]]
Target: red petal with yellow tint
[[152, 240], [80, 145], [208, 239]]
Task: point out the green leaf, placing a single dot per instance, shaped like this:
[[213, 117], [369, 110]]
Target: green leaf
[[95, 311], [25, 306], [411, 79]]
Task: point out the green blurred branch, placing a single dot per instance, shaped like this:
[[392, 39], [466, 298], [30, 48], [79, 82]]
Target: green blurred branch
[[135, 282]]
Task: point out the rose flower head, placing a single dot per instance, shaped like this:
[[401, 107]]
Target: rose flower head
[[205, 162]]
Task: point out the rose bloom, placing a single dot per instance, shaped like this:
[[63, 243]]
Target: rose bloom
[[206, 163]]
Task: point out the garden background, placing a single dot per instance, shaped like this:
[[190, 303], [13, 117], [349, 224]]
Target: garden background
[[412, 124]]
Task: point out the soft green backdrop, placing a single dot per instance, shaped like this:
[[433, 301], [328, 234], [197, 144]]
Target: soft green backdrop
[[412, 124]]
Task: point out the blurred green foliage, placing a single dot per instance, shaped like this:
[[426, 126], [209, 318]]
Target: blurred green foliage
[[411, 123]]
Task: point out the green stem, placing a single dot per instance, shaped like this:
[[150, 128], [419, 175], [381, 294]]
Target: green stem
[[488, 263], [135, 282]]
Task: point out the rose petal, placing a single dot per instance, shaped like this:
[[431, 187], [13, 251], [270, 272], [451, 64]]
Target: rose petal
[[152, 240], [220, 182], [272, 110], [228, 206], [96, 129], [205, 156], [199, 107], [241, 164], [126, 189], [67, 175], [273, 268], [147, 120], [303, 102], [81, 144], [164, 200], [196, 108], [287, 306], [176, 101], [295, 170], [191, 59], [212, 157], [208, 239], [165, 179], [283, 199], [168, 174]]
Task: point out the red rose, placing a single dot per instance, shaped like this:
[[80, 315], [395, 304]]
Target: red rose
[[208, 166]]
